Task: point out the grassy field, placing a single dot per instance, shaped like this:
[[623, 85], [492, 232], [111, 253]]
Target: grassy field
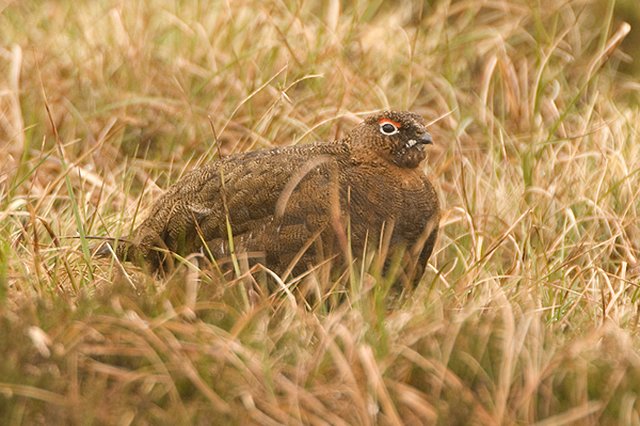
[[528, 311]]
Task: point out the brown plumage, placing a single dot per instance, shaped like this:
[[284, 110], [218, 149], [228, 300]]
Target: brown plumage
[[302, 203]]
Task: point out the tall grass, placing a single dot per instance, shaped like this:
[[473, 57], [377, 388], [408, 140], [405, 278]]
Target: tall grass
[[528, 311]]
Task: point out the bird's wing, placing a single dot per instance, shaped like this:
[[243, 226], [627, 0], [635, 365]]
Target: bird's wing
[[277, 210], [269, 201]]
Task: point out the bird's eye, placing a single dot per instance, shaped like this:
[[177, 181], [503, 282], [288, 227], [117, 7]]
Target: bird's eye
[[388, 129]]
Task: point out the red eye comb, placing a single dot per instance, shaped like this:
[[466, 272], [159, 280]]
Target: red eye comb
[[388, 120]]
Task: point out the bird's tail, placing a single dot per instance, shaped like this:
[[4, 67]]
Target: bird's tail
[[106, 248]]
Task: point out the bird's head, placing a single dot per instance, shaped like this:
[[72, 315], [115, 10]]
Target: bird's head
[[396, 136]]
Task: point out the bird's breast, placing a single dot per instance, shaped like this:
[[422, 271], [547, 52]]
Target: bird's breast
[[383, 196]]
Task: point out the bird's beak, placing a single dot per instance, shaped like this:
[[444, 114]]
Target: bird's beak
[[425, 139]]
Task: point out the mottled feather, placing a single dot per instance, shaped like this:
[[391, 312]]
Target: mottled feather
[[321, 196]]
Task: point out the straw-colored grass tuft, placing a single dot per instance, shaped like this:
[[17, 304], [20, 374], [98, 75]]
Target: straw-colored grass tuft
[[528, 311]]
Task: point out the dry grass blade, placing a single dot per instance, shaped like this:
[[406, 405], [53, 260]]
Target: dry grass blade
[[10, 389]]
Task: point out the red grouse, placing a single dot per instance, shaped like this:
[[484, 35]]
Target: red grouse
[[299, 205]]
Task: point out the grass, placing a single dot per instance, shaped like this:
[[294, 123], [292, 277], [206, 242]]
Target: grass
[[528, 312]]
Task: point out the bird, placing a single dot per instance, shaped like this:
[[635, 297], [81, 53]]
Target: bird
[[292, 207]]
